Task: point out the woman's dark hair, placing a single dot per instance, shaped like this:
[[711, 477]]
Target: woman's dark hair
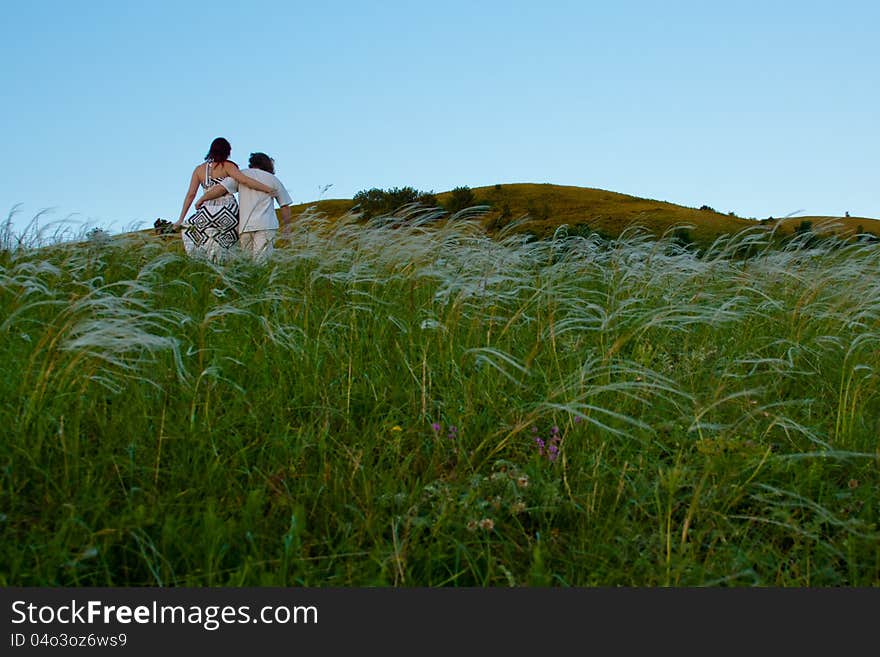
[[261, 161], [219, 151]]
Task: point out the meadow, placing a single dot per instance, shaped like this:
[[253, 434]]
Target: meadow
[[425, 405]]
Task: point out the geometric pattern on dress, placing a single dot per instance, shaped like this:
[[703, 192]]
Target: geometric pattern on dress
[[213, 223], [220, 225]]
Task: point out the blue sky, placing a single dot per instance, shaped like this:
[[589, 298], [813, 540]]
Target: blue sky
[[762, 108]]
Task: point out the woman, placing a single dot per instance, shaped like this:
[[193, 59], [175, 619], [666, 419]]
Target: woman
[[213, 230]]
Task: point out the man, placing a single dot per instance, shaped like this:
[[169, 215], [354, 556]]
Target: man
[[257, 223]]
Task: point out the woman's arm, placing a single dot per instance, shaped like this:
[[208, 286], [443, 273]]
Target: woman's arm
[[188, 199], [235, 173]]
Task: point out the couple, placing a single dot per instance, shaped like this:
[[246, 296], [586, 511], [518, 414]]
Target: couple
[[220, 224]]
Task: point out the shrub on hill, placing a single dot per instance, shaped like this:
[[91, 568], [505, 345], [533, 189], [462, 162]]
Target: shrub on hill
[[804, 233], [806, 226], [682, 237], [537, 213], [376, 202], [500, 221], [587, 231], [461, 198]]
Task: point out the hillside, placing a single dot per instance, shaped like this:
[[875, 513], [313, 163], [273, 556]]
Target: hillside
[[433, 408], [549, 206]]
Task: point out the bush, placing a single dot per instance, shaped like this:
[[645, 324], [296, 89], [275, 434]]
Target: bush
[[376, 202], [538, 213], [682, 237], [461, 198], [707, 208], [499, 222], [804, 232], [806, 226]]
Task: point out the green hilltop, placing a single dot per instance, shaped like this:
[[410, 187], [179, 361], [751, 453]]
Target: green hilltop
[[542, 208]]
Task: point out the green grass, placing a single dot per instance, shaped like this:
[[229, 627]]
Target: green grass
[[172, 422]]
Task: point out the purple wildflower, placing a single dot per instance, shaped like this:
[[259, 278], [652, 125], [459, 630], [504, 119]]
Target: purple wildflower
[[436, 427], [554, 430], [577, 419], [453, 433]]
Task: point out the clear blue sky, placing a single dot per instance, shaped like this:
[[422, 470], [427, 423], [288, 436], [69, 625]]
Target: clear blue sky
[[762, 108]]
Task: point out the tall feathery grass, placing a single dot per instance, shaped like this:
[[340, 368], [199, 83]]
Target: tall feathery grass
[[420, 404]]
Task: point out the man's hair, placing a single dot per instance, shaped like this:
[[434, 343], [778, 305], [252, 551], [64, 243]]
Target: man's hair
[[262, 161]]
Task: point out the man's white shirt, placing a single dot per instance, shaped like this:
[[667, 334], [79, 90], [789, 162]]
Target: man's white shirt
[[257, 209]]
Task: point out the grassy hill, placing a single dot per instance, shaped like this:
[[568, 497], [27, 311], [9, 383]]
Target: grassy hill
[[549, 206], [382, 407], [844, 226]]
